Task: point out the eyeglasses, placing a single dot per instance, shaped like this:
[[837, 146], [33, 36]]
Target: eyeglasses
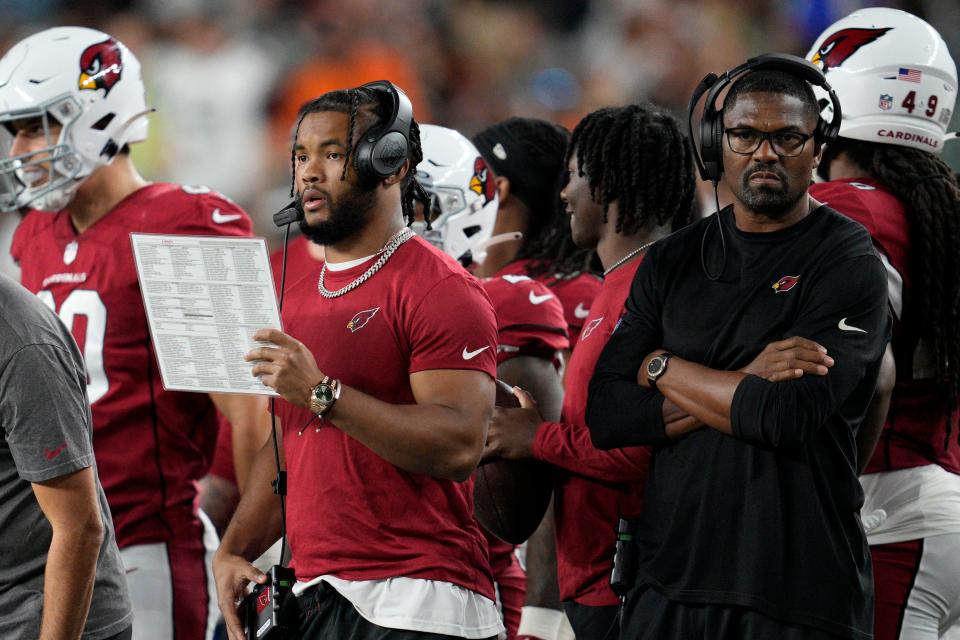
[[786, 144]]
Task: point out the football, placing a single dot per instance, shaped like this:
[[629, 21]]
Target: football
[[510, 497]]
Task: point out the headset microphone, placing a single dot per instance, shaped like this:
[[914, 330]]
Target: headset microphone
[[290, 213]]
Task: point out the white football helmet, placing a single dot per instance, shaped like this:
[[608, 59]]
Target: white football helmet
[[463, 194], [81, 80], [895, 79]]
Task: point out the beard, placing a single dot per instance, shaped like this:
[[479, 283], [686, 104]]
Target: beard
[[772, 202], [349, 215]]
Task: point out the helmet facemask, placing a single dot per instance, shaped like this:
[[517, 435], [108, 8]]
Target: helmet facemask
[[44, 178]]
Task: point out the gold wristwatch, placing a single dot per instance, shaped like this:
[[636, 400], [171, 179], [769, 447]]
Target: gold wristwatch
[[324, 395]]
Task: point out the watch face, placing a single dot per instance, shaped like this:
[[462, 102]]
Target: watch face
[[655, 367], [323, 393]]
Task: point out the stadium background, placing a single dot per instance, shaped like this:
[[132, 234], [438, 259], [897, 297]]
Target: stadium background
[[227, 76]]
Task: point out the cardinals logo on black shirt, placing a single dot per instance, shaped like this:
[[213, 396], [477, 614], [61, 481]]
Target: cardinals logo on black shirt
[[100, 66], [844, 43]]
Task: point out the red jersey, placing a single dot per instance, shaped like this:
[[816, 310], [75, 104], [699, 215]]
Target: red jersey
[[150, 444], [530, 322], [600, 486], [576, 294], [350, 512], [530, 318], [299, 262], [915, 430]]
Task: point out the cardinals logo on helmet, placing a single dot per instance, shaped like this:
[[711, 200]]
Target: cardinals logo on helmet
[[360, 320], [100, 66], [786, 283], [482, 182], [844, 43]]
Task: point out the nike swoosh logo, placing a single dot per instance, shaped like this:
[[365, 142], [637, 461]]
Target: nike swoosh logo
[[220, 218], [535, 299], [846, 327], [470, 355], [53, 453], [581, 311]]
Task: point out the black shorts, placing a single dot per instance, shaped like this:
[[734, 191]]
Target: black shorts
[[651, 616], [327, 615]]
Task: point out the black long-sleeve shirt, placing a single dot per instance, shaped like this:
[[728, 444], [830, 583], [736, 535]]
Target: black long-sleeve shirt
[[767, 518]]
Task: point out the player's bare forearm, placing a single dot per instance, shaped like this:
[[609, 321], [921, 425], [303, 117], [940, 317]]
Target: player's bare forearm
[[703, 393], [678, 423], [71, 506], [68, 582], [256, 523], [442, 435]]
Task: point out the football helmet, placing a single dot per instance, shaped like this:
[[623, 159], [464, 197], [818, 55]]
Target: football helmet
[[463, 194], [83, 82], [894, 76]]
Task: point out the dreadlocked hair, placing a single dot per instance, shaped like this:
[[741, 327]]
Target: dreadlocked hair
[[930, 192], [352, 102], [535, 169], [638, 157]]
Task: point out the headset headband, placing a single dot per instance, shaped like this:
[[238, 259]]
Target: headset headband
[[709, 156]]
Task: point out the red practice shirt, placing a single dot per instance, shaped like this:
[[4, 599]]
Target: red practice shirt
[[915, 431], [150, 444], [530, 318], [351, 513], [299, 262], [576, 294], [600, 486]]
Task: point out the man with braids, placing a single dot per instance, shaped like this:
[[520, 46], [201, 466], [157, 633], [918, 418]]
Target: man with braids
[[908, 199], [750, 372], [630, 182], [526, 156], [387, 372]]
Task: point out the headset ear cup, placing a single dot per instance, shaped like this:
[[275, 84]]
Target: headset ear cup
[[388, 154], [716, 127]]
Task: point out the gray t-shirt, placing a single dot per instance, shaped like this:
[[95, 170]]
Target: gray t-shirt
[[45, 432]]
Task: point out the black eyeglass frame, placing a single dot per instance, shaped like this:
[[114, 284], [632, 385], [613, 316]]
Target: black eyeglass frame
[[768, 136]]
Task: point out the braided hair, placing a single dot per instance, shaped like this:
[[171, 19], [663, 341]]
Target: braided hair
[[369, 101], [931, 194], [638, 157], [535, 169]]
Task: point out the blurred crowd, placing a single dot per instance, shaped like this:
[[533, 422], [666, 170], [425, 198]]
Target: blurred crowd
[[227, 76]]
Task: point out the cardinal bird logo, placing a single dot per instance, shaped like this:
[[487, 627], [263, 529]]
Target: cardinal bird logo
[[263, 600], [785, 283], [360, 320], [844, 43], [100, 66], [482, 182]]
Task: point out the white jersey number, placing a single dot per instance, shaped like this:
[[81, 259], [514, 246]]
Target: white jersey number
[[86, 302]]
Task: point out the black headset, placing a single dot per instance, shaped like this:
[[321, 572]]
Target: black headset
[[382, 149], [709, 157]]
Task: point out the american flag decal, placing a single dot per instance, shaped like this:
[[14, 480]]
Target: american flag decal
[[910, 75]]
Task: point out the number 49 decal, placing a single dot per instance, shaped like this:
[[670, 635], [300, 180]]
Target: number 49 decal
[[910, 103], [86, 302]]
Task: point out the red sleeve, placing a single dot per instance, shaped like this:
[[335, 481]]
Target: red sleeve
[[568, 446], [454, 327], [846, 198], [195, 212], [530, 320]]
